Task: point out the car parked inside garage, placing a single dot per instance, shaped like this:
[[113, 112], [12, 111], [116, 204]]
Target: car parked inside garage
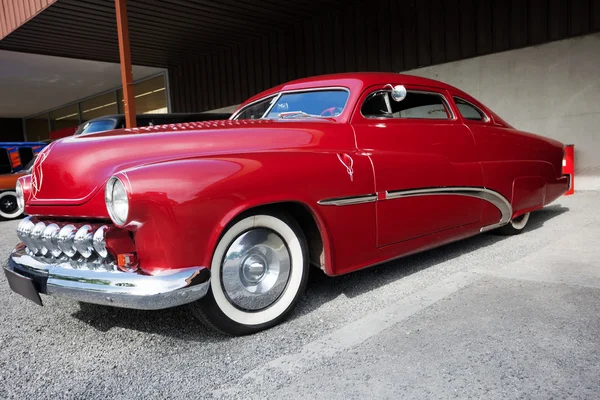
[[340, 171], [16, 159]]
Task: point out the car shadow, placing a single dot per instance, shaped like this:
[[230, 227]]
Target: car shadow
[[322, 288], [179, 323]]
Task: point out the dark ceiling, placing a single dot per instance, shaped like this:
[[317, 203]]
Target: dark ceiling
[[162, 32]]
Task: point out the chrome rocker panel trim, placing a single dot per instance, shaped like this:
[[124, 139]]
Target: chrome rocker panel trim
[[115, 288], [491, 196]]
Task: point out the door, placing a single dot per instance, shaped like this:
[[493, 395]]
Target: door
[[424, 160]]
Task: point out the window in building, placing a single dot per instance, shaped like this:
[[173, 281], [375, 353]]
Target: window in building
[[150, 96], [65, 117], [99, 106], [416, 105], [469, 111], [37, 128]]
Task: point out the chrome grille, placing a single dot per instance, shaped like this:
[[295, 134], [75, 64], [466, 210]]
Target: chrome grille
[[82, 246]]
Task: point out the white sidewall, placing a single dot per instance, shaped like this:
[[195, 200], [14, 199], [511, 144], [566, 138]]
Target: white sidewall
[[16, 213], [295, 279], [518, 225]]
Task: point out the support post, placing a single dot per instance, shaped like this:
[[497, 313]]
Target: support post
[[125, 54]]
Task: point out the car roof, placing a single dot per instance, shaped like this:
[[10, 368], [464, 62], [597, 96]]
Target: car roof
[[352, 80]]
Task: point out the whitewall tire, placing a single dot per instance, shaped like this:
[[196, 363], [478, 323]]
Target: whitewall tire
[[9, 208], [259, 271], [516, 226]]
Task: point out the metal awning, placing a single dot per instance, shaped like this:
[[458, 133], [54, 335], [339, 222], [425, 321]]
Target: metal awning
[[162, 33]]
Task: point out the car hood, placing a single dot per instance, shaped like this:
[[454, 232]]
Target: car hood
[[72, 170]]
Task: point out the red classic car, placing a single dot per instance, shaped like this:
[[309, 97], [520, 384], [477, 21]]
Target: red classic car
[[340, 172]]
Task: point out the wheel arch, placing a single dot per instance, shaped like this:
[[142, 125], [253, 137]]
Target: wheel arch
[[311, 224]]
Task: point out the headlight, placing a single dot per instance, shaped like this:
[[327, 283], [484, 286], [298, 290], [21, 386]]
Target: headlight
[[20, 196], [116, 199]]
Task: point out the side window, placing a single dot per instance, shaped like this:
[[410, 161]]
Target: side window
[[421, 105], [26, 155], [5, 164], [256, 110], [469, 111]]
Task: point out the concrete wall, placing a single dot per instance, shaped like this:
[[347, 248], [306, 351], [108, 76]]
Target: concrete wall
[[551, 89]]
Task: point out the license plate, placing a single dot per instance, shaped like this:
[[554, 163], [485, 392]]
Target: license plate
[[23, 285]]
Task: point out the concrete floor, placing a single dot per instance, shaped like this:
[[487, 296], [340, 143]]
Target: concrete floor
[[489, 317]]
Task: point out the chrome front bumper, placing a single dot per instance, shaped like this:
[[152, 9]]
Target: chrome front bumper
[[115, 288]]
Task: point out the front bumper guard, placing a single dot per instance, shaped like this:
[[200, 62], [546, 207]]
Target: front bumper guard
[[167, 289]]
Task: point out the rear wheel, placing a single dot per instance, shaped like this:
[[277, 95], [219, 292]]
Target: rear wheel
[[259, 271], [515, 226], [9, 208]]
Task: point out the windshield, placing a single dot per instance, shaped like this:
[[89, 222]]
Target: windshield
[[316, 103]]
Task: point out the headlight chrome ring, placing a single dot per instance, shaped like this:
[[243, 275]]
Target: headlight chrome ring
[[20, 196], [117, 200]]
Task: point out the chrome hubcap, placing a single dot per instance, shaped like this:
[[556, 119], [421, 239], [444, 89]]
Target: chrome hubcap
[[256, 269], [253, 269]]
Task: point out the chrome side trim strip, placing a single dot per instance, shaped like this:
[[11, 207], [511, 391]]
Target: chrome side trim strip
[[346, 201], [495, 198]]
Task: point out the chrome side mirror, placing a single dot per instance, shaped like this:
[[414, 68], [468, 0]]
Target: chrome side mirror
[[398, 93]]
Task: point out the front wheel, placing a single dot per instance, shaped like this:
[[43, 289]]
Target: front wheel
[[9, 208], [259, 271], [515, 226]]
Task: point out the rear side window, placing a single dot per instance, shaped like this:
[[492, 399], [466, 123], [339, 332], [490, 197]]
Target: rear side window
[[469, 111], [5, 165], [420, 105]]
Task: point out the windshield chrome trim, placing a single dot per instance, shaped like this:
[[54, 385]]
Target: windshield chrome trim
[[276, 96]]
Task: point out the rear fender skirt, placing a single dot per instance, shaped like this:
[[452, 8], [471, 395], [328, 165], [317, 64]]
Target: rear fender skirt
[[493, 197]]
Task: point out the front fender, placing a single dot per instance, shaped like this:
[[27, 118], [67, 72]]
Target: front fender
[[179, 209]]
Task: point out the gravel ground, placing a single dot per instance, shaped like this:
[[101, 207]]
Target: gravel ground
[[385, 332]]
